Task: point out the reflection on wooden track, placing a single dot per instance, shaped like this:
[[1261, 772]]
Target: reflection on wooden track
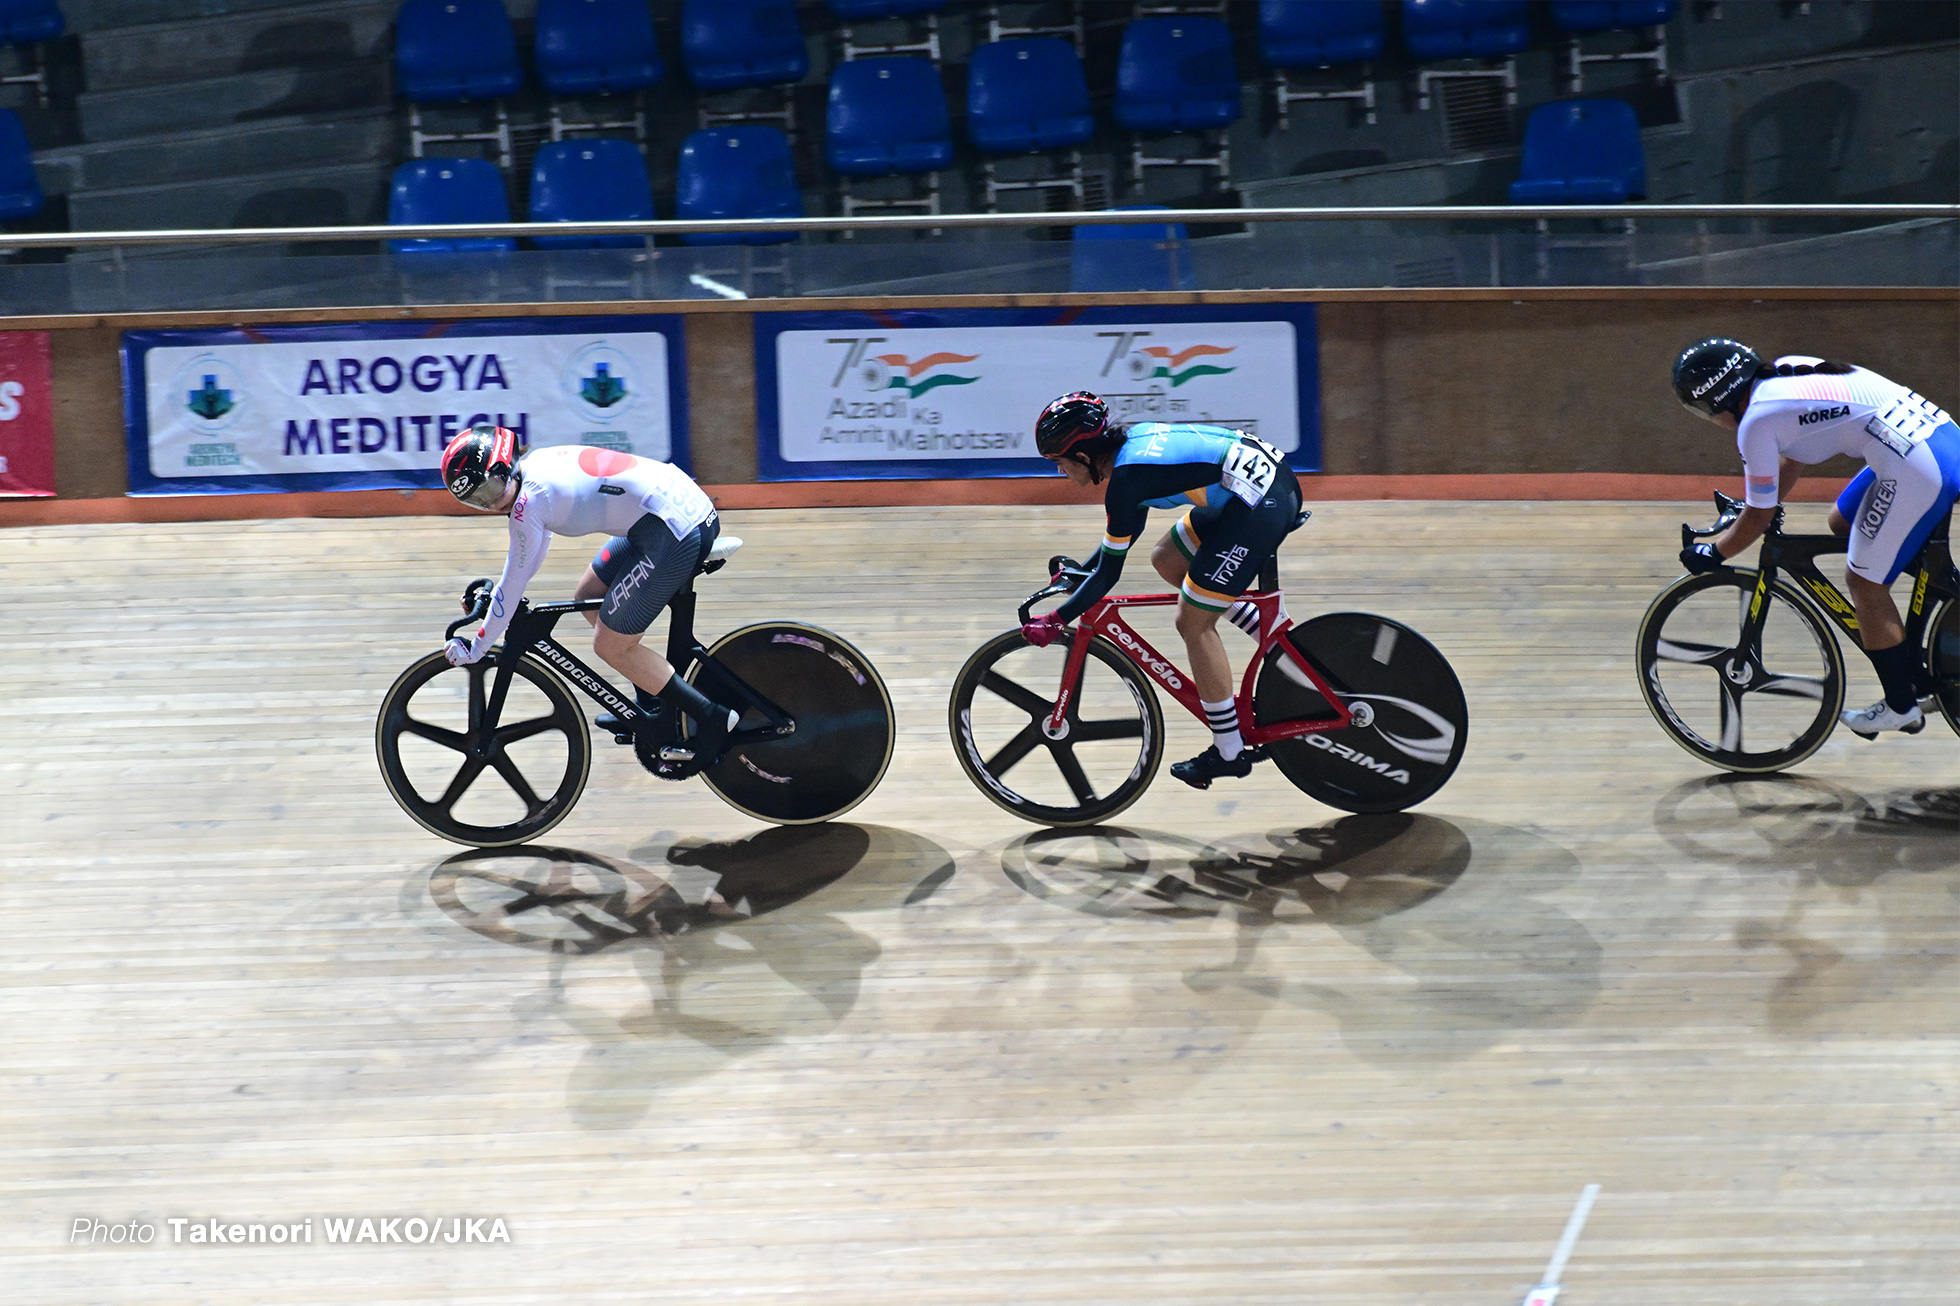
[[1239, 1048]]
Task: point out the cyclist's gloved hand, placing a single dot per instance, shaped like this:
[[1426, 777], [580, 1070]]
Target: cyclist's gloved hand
[[1701, 558], [1043, 630], [457, 650]]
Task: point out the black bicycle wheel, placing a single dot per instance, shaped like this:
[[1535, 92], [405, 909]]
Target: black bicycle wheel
[[1410, 720], [844, 724], [1943, 660], [1105, 755], [489, 789], [1747, 712]]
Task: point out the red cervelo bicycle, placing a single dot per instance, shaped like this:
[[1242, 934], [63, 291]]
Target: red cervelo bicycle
[[1358, 711]]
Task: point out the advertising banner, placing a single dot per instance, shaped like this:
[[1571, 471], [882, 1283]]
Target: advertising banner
[[370, 405], [26, 415], [954, 393]]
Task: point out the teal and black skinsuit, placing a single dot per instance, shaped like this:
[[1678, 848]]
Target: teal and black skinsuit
[[1215, 474]]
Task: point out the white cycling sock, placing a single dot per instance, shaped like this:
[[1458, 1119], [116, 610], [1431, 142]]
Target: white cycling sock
[[1223, 718]]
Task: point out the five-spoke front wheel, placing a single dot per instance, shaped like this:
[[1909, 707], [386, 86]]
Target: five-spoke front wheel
[[1100, 760], [1743, 709], [458, 775]]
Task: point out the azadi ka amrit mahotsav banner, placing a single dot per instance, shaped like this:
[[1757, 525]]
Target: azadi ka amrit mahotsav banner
[[370, 405], [955, 392]]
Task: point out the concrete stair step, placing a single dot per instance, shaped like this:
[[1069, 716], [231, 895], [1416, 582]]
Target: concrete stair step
[[293, 36], [239, 98], [367, 136], [352, 194]]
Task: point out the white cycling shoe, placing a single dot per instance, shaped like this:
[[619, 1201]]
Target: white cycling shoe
[[1866, 723]]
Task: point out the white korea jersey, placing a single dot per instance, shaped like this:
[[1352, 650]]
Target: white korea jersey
[[579, 490], [1808, 419]]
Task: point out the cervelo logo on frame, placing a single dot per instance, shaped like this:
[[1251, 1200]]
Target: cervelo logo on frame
[[1157, 667]]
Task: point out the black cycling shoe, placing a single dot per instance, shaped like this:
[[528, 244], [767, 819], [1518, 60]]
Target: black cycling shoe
[[623, 731], [1208, 766], [703, 748]]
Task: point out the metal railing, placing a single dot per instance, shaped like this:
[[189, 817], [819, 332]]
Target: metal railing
[[1873, 213]]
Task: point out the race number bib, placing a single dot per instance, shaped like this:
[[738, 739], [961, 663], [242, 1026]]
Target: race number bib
[[1906, 423], [1249, 469]]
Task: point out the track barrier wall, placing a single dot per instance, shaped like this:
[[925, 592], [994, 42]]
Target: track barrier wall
[[1438, 393]]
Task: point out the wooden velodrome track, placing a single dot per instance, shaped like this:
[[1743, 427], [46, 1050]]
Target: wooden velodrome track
[[241, 984]]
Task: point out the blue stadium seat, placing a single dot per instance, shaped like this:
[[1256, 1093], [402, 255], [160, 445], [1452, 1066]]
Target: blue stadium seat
[[1320, 33], [20, 193], [1176, 73], [448, 50], [1465, 29], [1130, 256], [22, 22], [859, 11], [1027, 95], [1581, 152], [733, 43], [1611, 15], [590, 181], [448, 190], [597, 47], [887, 116], [737, 172]]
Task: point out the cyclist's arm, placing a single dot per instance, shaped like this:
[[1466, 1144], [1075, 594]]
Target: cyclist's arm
[[528, 542], [1126, 518]]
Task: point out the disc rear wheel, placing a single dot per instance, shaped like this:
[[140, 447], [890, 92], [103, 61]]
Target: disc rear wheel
[[844, 723], [1410, 720]]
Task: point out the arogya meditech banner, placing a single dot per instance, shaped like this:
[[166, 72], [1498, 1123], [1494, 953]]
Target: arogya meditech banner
[[360, 406], [956, 392]]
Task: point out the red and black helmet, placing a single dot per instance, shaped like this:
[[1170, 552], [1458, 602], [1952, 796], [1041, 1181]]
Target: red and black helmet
[[479, 464], [1077, 423]]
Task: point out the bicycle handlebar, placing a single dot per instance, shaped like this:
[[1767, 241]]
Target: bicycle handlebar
[[1065, 576], [1727, 511], [476, 602]]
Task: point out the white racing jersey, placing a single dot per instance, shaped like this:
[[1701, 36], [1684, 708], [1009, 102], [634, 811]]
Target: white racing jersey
[[1808, 419], [579, 490]]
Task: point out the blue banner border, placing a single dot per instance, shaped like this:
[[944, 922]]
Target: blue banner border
[[772, 466], [136, 346]]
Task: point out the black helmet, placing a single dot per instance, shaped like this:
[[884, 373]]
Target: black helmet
[[1077, 423], [479, 464], [1713, 376]]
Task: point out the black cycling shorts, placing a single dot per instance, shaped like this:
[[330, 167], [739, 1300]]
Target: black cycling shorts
[[646, 567], [1224, 547]]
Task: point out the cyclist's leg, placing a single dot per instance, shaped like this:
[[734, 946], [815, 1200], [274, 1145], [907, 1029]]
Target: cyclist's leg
[[607, 564], [1909, 497], [657, 566], [1172, 556], [1848, 500], [1234, 542]]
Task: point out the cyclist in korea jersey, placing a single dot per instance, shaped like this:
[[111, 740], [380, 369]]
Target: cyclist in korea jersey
[[661, 525], [1802, 410], [1239, 499]]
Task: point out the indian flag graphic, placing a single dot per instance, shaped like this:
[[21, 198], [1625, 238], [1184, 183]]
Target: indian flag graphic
[[897, 372], [1154, 361]]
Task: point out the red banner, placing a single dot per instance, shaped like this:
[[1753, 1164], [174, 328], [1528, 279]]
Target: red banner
[[26, 415]]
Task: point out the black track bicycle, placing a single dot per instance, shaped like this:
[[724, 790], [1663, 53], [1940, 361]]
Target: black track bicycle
[[1742, 668], [496, 753]]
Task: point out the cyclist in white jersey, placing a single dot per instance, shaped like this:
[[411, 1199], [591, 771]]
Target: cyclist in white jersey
[[1800, 411], [661, 525]]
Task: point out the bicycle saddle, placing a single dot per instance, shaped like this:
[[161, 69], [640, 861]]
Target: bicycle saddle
[[719, 553]]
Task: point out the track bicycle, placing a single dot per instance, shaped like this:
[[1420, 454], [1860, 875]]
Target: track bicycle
[[814, 738], [1358, 711], [1742, 668]]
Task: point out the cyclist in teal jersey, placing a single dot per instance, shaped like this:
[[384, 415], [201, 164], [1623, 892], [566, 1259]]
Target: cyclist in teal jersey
[[1239, 498]]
